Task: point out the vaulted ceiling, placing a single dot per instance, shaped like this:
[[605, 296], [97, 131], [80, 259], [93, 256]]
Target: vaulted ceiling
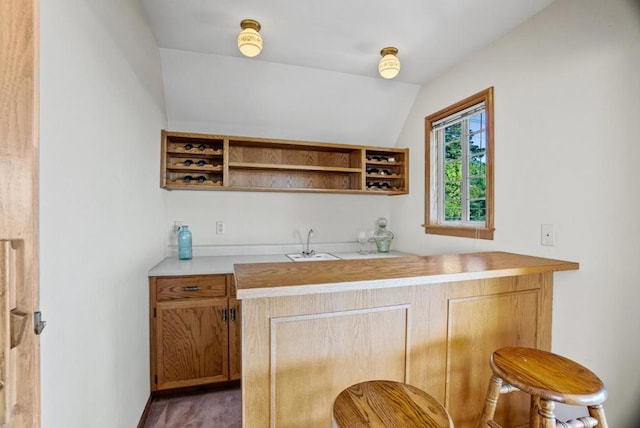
[[319, 59]]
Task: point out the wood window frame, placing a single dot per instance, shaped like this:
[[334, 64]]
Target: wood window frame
[[431, 224]]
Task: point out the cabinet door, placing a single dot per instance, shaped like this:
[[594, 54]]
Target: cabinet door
[[235, 339], [191, 342], [478, 326]]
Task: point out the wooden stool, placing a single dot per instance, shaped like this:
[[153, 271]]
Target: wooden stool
[[384, 404], [548, 378]]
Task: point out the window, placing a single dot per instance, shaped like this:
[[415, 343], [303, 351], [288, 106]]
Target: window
[[459, 170]]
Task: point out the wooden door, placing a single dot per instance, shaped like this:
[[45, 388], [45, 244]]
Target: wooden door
[[19, 345], [235, 339], [192, 340]]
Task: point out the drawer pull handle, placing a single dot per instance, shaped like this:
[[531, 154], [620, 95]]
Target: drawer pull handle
[[224, 315], [233, 314], [191, 288]]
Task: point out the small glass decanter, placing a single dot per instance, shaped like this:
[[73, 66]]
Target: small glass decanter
[[382, 236]]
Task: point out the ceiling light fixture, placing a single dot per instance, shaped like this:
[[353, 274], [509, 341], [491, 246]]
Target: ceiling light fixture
[[249, 39], [389, 65]]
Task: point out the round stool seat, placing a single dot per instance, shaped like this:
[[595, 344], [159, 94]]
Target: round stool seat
[[548, 376], [384, 404]]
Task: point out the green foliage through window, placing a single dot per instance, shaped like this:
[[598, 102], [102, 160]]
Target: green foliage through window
[[465, 140]]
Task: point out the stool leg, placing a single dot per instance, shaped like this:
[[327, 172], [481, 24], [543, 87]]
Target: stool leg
[[493, 392], [547, 417], [534, 415], [597, 412]]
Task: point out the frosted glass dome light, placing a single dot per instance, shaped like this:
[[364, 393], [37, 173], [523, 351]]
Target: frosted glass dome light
[[389, 65], [249, 39]]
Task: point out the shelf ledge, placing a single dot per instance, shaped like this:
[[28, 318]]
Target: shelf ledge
[[283, 167]]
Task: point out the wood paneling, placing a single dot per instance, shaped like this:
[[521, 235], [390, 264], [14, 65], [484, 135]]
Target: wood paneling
[[293, 156], [304, 180], [19, 93], [314, 357], [484, 324], [302, 350]]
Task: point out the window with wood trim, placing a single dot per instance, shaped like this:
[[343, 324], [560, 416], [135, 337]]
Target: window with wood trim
[[459, 168]]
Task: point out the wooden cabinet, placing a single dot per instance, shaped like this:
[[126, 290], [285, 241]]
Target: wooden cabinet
[[218, 162], [432, 322], [195, 331], [438, 337]]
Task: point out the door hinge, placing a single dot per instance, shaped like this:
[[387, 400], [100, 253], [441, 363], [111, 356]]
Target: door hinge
[[155, 379], [154, 312], [38, 323]]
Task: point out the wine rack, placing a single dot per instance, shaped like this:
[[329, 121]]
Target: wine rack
[[218, 162], [192, 161], [386, 171]]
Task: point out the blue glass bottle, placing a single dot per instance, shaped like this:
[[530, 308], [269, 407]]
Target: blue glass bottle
[[184, 243]]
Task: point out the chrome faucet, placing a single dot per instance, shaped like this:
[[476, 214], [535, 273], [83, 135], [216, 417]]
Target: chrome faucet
[[308, 251]]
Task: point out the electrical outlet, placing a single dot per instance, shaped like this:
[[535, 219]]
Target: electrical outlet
[[219, 227], [547, 235]]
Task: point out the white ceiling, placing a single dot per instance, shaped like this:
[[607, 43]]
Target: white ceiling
[[316, 78], [342, 35]]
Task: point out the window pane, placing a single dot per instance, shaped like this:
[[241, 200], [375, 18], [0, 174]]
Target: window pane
[[452, 212], [453, 132], [453, 171], [453, 150], [477, 188], [452, 141], [477, 139], [477, 143], [452, 200], [477, 122], [478, 166], [478, 210]]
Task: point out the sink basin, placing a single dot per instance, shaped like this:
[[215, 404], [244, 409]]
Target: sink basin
[[354, 255], [312, 258]]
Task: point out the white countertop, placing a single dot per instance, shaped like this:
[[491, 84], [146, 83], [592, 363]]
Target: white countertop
[[208, 265]]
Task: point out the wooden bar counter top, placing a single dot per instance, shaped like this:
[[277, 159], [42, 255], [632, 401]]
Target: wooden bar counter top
[[312, 329], [282, 279]]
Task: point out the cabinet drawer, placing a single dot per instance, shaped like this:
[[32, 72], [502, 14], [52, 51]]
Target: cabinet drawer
[[186, 287]]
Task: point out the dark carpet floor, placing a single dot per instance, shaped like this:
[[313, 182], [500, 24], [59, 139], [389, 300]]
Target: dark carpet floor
[[210, 409]]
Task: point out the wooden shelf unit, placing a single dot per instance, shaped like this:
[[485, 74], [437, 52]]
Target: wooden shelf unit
[[217, 162], [192, 161], [387, 171]]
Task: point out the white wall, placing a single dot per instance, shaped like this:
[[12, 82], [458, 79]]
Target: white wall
[[256, 98], [274, 218], [100, 209], [247, 97], [567, 103]]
